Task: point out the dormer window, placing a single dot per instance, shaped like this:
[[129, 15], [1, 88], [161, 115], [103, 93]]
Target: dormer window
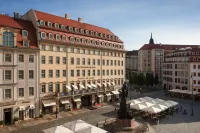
[[104, 35], [82, 31], [98, 43], [25, 43], [88, 41], [93, 42], [78, 40], [76, 29], [91, 33], [56, 26], [64, 38], [50, 36], [83, 41], [43, 35], [107, 44], [57, 37], [108, 36], [62, 27], [42, 23], [113, 45], [96, 34], [24, 33], [49, 24], [103, 43], [100, 34], [86, 32], [111, 37], [70, 28], [72, 39], [110, 44], [116, 38]]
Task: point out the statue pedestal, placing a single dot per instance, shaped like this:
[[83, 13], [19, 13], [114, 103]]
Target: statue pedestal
[[127, 123]]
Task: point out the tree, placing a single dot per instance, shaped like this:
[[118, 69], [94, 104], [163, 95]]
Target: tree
[[131, 80], [156, 79], [151, 79], [147, 79]]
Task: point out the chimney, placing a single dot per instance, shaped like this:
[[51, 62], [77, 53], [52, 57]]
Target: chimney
[[67, 16], [80, 20], [16, 15]]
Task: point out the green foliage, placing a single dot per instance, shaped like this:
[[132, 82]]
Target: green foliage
[[1, 122], [156, 79], [41, 115]]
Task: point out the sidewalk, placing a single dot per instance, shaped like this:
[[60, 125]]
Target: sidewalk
[[37, 121]]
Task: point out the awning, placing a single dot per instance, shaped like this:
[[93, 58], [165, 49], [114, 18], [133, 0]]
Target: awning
[[99, 84], [88, 85], [100, 95], [108, 83], [104, 84], [75, 87], [48, 103], [108, 94], [64, 101], [82, 87], [21, 108], [68, 88], [77, 100], [32, 106], [113, 83], [93, 85], [115, 92]]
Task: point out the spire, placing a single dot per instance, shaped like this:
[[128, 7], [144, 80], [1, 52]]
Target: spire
[[151, 41]]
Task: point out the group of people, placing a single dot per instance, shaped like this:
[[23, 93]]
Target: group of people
[[183, 110]]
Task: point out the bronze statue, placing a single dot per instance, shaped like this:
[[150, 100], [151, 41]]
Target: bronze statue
[[123, 112]]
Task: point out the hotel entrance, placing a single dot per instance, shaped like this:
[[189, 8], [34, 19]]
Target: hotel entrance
[[7, 116], [86, 100]]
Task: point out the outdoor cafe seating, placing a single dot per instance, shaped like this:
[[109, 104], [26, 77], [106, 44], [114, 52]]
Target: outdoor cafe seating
[[149, 108]]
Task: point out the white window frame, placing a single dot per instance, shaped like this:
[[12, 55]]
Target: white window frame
[[10, 95], [8, 75], [5, 57], [43, 73], [31, 58], [41, 23], [49, 24], [43, 33], [24, 31], [56, 25], [30, 91], [62, 27], [22, 74], [24, 43], [58, 37], [19, 92], [64, 38], [50, 34]]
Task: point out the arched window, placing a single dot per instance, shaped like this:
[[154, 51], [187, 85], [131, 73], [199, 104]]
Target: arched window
[[64, 38], [8, 39]]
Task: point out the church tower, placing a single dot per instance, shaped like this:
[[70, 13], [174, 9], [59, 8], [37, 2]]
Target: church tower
[[151, 41]]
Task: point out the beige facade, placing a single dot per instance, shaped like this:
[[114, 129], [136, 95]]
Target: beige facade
[[131, 62], [19, 81], [81, 72], [181, 70]]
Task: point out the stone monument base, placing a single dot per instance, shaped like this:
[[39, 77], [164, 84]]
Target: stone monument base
[[127, 123]]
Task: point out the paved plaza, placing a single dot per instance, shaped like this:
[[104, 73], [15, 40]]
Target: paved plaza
[[179, 123]]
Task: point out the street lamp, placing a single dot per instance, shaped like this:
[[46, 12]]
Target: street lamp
[[192, 113]]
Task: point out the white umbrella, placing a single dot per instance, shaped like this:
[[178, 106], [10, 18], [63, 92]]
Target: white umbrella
[[162, 107], [91, 129], [152, 101], [166, 104], [138, 106], [142, 99], [148, 104], [76, 125], [148, 98], [158, 100], [152, 110], [135, 102], [172, 102], [58, 129]]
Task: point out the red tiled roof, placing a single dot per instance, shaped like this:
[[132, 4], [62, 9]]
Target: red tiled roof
[[69, 22], [19, 25], [165, 46]]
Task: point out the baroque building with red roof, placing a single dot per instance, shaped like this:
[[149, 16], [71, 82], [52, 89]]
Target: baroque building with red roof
[[80, 64], [19, 80]]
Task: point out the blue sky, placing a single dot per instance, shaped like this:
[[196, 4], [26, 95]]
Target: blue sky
[[170, 21]]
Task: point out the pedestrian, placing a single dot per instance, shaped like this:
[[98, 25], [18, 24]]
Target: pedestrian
[[181, 109]]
